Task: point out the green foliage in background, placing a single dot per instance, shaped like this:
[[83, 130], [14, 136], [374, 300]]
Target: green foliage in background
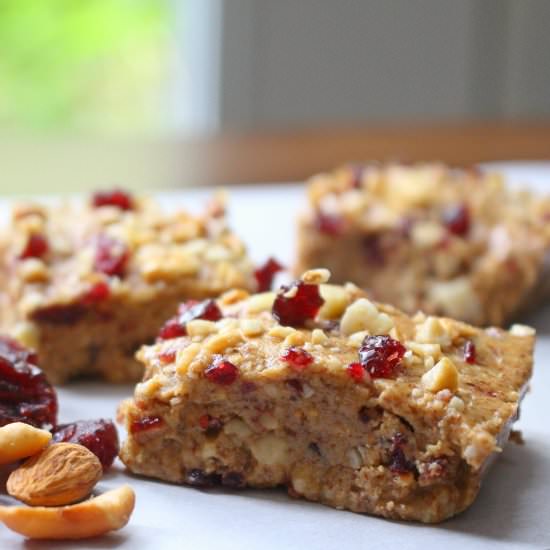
[[84, 66]]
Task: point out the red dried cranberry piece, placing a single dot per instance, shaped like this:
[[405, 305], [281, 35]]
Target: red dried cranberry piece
[[99, 436], [36, 247], [207, 310], [146, 423], [171, 329], [470, 352], [168, 356], [457, 219], [298, 358], [210, 424], [98, 292], [356, 371], [381, 355], [25, 393], [222, 372], [297, 303], [111, 256], [188, 311], [116, 197], [265, 273], [329, 224], [399, 463]]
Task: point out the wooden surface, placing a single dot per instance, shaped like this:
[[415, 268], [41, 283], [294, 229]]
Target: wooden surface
[[295, 155], [73, 165]]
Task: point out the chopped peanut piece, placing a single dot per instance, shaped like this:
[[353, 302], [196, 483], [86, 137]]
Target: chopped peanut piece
[[443, 375], [364, 315], [336, 301], [316, 276]]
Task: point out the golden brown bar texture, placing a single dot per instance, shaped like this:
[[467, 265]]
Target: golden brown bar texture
[[342, 400], [87, 283], [425, 237]]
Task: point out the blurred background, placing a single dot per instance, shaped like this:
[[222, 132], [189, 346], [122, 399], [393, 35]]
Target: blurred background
[[168, 93]]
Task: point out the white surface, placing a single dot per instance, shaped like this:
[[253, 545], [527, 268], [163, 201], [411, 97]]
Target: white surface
[[512, 510]]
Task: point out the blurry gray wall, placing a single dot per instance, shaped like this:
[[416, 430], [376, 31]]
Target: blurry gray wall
[[314, 62]]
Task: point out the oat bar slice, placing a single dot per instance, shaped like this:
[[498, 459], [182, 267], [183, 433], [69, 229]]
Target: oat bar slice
[[449, 242], [87, 283], [342, 400]]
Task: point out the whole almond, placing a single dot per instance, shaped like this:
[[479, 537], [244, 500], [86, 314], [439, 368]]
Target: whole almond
[[61, 474]]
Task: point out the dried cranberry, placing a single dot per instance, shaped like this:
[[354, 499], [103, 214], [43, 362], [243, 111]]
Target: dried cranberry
[[60, 314], [399, 463], [298, 358], [265, 273], [357, 171], [207, 310], [188, 311], [146, 423], [116, 197], [356, 371], [381, 355], [364, 414], [457, 219], [372, 245], [314, 448], [233, 480], [25, 393], [111, 256], [329, 224], [199, 478], [99, 436], [211, 425], [222, 372], [297, 303], [98, 292], [36, 247], [296, 385], [470, 352], [171, 329], [168, 356]]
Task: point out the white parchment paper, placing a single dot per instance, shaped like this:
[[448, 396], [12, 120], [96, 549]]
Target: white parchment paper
[[512, 510]]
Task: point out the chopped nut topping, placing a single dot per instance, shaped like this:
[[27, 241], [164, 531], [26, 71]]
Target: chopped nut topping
[[223, 341], [295, 338], [318, 337], [316, 276], [199, 327], [185, 357], [260, 302], [522, 330], [336, 299], [443, 375], [431, 331], [364, 315], [251, 327], [280, 332]]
